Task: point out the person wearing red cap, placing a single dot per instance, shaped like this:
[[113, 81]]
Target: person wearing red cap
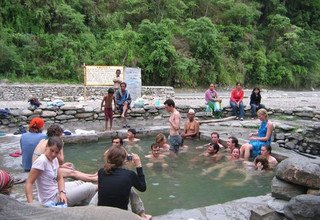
[[6, 183], [30, 140]]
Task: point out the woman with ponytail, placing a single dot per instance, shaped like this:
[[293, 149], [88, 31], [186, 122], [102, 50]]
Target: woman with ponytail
[[115, 182]]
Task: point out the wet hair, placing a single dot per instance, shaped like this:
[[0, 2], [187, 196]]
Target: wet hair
[[169, 102], [256, 88], [160, 137], [54, 130], [215, 146], [262, 111], [118, 70], [268, 148], [154, 145], [216, 133], [114, 158], [123, 83], [117, 137], [264, 162], [234, 140], [133, 131], [55, 141], [111, 90]]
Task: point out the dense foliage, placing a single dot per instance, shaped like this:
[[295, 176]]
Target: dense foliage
[[185, 42]]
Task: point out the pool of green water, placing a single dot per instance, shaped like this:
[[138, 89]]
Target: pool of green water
[[185, 184]]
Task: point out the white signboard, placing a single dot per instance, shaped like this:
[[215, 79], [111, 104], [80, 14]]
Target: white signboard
[[101, 75], [132, 77]]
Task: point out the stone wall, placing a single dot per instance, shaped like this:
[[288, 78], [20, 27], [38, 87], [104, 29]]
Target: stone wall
[[297, 180], [300, 137], [69, 93]]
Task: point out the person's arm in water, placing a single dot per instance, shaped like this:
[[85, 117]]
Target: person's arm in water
[[33, 175]]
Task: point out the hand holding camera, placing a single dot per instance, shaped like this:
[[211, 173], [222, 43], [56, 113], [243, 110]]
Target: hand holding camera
[[135, 159]]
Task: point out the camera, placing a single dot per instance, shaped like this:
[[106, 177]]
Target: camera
[[129, 157]]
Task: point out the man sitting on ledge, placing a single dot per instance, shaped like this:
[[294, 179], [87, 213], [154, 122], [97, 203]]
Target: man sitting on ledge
[[123, 100]]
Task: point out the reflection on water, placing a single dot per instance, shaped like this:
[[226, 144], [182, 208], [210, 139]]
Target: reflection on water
[[186, 185]]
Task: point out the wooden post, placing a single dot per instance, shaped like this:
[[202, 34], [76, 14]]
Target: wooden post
[[85, 82]]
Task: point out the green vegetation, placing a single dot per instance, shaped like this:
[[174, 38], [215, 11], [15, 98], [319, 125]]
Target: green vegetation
[[271, 43]]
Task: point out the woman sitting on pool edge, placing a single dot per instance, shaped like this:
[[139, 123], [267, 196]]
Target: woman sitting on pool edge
[[50, 184], [258, 139]]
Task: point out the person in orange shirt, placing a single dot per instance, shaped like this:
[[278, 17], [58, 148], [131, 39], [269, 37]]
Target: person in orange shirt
[[236, 101]]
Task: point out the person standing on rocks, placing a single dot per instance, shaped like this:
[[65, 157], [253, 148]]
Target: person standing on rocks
[[258, 139], [117, 80], [236, 103], [107, 104], [175, 139], [123, 100]]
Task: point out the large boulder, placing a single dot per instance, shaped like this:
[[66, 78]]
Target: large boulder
[[303, 207], [284, 190], [12, 209], [300, 172]]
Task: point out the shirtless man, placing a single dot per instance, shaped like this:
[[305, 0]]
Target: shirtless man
[[156, 157], [215, 139], [266, 152], [117, 80], [131, 136], [191, 127], [175, 139], [232, 143]]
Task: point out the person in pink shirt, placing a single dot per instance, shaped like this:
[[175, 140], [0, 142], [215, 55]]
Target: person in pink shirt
[[236, 101], [211, 97]]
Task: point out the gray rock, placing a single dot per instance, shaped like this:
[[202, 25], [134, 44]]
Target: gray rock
[[277, 205], [47, 114], [83, 115], [305, 114], [284, 190], [13, 209], [88, 109], [68, 107], [70, 139], [285, 127], [279, 136], [300, 172], [138, 110], [26, 112], [64, 117], [70, 112], [303, 207], [290, 145]]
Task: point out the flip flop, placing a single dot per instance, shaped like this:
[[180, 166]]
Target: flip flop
[[19, 180], [18, 152], [15, 155]]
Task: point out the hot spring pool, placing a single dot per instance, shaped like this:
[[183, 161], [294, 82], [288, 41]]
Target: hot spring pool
[[185, 185]]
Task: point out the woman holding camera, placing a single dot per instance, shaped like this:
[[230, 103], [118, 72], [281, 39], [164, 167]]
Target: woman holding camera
[[115, 182]]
